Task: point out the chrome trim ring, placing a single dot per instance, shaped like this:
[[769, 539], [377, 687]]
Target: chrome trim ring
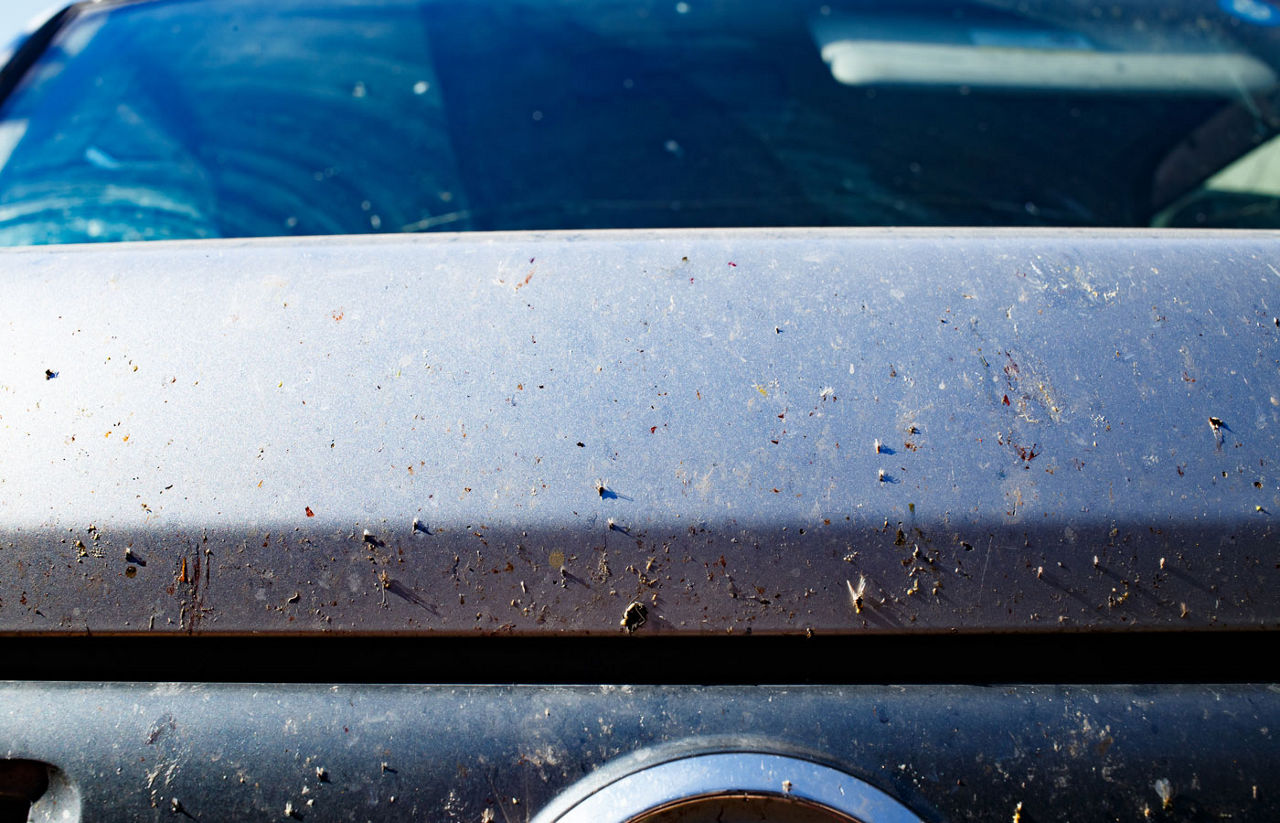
[[648, 790]]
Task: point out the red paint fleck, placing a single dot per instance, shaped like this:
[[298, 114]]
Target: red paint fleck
[[338, 315], [652, 429], [733, 264], [1006, 399], [310, 513]]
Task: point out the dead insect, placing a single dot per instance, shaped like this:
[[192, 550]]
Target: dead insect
[[635, 616], [1215, 423], [856, 594], [49, 374]]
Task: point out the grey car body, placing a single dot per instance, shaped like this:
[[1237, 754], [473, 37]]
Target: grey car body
[[661, 497]]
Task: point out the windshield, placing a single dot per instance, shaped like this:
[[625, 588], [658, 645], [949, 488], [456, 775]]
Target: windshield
[[233, 118]]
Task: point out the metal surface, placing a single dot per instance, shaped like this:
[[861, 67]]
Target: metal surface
[[530, 433], [645, 790], [366, 753]]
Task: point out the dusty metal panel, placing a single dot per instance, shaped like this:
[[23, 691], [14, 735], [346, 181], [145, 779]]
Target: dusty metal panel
[[169, 752], [530, 433]]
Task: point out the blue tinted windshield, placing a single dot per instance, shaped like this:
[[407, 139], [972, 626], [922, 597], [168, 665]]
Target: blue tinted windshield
[[241, 118]]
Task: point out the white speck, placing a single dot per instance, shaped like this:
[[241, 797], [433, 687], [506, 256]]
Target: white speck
[[94, 228], [288, 809], [880, 475], [673, 147], [682, 8], [850, 368], [375, 221], [358, 90], [421, 87], [827, 391]]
